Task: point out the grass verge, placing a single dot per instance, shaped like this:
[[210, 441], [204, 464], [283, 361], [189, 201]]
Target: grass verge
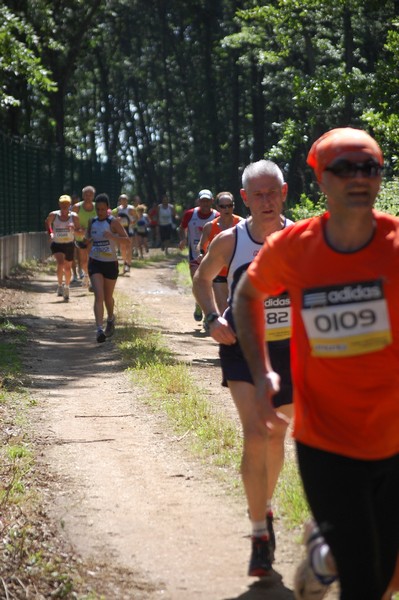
[[172, 390], [35, 560]]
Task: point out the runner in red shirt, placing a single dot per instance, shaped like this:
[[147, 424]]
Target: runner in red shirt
[[190, 230]]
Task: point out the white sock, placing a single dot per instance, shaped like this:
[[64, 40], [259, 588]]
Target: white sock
[[259, 528], [318, 558]]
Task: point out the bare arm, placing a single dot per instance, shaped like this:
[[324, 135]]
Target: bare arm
[[217, 257], [206, 232], [48, 224], [118, 232]]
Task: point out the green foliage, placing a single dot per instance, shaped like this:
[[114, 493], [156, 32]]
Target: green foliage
[[268, 80], [388, 198], [306, 208], [19, 59]]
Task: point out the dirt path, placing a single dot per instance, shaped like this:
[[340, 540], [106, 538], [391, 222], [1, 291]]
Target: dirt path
[[126, 491]]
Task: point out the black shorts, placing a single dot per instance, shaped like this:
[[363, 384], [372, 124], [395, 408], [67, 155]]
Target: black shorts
[[81, 244], [109, 270], [66, 249], [142, 234], [220, 279], [235, 368], [165, 232]]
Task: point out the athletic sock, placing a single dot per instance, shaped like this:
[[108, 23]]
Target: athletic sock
[[318, 559], [259, 528]]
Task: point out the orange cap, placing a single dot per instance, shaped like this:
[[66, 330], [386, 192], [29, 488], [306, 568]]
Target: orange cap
[[336, 142]]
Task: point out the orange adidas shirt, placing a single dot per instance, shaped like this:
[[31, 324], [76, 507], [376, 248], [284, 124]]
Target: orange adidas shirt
[[345, 335]]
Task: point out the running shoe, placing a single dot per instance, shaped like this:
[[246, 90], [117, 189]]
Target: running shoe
[[60, 290], [66, 293], [260, 564], [198, 313], [126, 268], [74, 280], [101, 336], [110, 328], [307, 584], [86, 281], [272, 536]]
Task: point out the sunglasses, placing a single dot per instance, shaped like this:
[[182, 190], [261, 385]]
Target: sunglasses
[[226, 205], [346, 169]]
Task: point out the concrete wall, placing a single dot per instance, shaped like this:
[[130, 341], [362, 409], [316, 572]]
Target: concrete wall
[[18, 248]]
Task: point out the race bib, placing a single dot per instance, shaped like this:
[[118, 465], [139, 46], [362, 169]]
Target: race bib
[[278, 318], [346, 320], [63, 236], [102, 250]]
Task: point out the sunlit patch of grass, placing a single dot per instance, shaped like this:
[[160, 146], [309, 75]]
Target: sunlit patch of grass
[[183, 274], [289, 495], [170, 388]]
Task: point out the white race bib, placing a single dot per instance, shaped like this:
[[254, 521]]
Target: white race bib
[[346, 320]]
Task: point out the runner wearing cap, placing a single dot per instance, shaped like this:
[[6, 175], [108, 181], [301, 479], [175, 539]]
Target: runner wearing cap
[[341, 270], [227, 219], [190, 230], [61, 225]]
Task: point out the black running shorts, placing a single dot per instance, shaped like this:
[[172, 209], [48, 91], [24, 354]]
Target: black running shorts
[[235, 368], [109, 270], [66, 249]]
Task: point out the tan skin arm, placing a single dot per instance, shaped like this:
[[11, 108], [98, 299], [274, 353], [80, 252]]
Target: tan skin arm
[[48, 223], [117, 232], [206, 232], [218, 255], [249, 318], [76, 222]]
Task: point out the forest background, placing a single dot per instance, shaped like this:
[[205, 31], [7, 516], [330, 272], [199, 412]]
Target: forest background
[[180, 95]]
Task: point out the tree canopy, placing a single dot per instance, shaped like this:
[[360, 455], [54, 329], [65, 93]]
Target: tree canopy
[[182, 95]]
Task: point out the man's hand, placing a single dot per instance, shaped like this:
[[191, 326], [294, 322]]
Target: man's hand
[[265, 390], [221, 332]]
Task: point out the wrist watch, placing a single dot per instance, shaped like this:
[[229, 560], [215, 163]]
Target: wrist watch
[[211, 317]]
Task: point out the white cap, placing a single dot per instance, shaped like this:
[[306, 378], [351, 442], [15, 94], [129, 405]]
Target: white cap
[[205, 194]]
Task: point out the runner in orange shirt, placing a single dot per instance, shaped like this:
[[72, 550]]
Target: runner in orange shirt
[[342, 273], [227, 219]]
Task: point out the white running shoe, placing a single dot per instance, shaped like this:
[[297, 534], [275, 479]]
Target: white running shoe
[[66, 293], [308, 585], [60, 290], [86, 281]]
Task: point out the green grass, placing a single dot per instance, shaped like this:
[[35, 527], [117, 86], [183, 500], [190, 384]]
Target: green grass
[[210, 435]]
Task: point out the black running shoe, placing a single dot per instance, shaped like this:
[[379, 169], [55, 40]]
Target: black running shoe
[[198, 313], [260, 564], [101, 336], [272, 537], [110, 328]]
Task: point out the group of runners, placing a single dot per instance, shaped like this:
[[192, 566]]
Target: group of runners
[[305, 317], [322, 293]]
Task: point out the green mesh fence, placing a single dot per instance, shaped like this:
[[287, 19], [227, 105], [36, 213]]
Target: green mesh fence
[[32, 179]]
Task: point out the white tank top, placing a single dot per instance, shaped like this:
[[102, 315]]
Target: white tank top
[[63, 231], [165, 215], [277, 308], [195, 227], [102, 248]]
